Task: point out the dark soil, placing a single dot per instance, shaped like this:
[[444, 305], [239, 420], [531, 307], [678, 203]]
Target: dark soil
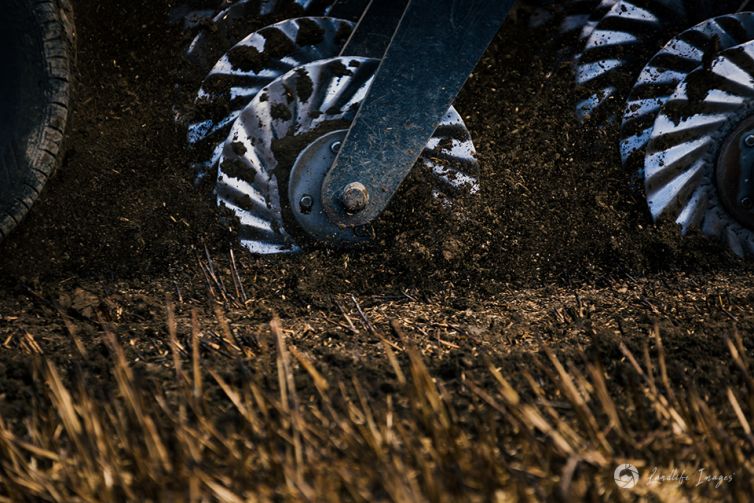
[[556, 208], [555, 204], [556, 249]]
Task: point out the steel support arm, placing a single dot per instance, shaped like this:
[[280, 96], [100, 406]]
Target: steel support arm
[[349, 9], [433, 51], [375, 29]]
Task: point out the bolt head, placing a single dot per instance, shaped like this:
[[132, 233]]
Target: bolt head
[[306, 203], [747, 203], [355, 197], [335, 147], [749, 140]]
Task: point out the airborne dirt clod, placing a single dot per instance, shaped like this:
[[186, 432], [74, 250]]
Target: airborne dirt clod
[[555, 251]]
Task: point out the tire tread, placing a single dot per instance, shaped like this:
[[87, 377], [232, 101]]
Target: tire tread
[[29, 170]]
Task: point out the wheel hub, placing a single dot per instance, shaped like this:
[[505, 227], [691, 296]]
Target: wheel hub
[[305, 189], [735, 165], [278, 200]]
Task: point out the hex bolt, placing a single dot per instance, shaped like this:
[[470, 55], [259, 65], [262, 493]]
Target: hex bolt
[[749, 140], [306, 203], [355, 197], [335, 147]]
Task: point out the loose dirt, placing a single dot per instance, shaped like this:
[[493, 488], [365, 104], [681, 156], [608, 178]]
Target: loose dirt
[[555, 205], [557, 249], [556, 208]]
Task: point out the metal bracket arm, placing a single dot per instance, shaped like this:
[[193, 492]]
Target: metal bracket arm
[[433, 51]]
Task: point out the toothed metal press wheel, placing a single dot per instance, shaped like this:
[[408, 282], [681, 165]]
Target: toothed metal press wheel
[[313, 122], [275, 200], [275, 108]]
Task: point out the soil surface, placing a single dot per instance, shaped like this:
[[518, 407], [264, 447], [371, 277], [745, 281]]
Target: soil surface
[[555, 205], [557, 249]]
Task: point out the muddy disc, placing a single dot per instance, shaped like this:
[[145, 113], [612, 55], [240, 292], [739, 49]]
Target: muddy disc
[[625, 38], [660, 77], [241, 18], [294, 113], [249, 66], [692, 168]]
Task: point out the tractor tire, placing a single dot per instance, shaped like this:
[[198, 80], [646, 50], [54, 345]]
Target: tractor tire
[[37, 45]]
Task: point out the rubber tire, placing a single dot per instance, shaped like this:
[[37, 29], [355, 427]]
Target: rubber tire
[[37, 45]]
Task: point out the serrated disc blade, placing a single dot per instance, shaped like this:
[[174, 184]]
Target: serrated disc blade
[[577, 14], [598, 12], [249, 66], [626, 37], [236, 21], [685, 144], [290, 113], [660, 77]]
